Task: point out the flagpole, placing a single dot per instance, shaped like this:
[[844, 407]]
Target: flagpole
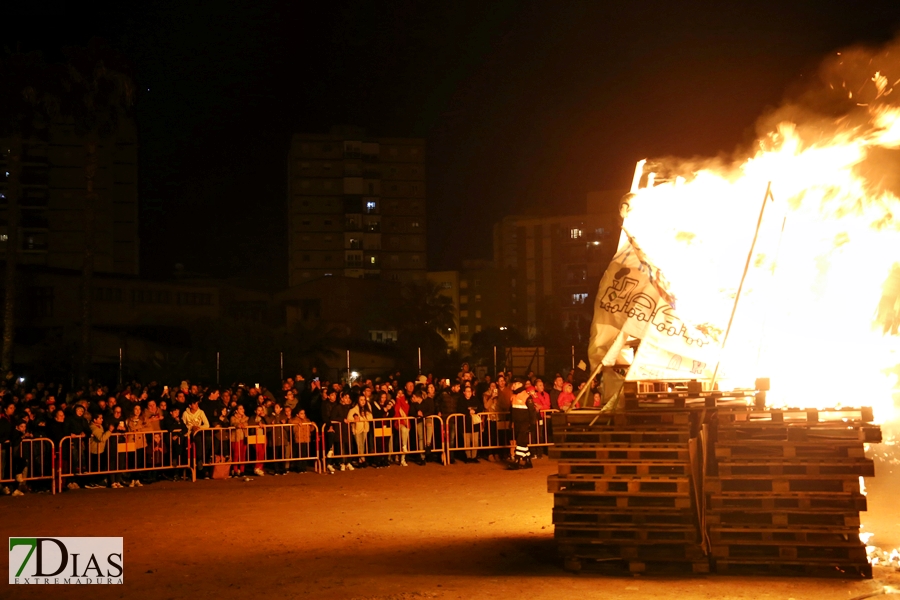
[[737, 297]]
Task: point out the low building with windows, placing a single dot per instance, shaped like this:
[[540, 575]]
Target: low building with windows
[[554, 264]]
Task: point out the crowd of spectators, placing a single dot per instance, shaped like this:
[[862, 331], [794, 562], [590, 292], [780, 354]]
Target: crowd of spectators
[[362, 423]]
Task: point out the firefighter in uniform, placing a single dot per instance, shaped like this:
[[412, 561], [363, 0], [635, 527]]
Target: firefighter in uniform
[[522, 413]]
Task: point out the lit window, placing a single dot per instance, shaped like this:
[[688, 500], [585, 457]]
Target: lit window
[[372, 260], [579, 298], [464, 314], [370, 205], [464, 329], [477, 328], [575, 233], [463, 284], [415, 224], [446, 285], [477, 314], [463, 299]]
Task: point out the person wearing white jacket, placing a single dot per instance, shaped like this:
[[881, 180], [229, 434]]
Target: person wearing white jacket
[[360, 417]]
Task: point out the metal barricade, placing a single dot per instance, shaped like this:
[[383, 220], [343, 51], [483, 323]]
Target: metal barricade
[[385, 437], [132, 452], [542, 430], [280, 443], [474, 433], [35, 456]]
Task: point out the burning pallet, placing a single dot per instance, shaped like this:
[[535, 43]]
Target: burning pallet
[[682, 481], [782, 491]]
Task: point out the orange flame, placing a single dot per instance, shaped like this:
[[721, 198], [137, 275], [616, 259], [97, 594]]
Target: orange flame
[[820, 306]]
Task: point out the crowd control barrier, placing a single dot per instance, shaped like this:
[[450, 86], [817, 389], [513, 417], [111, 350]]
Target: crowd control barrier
[[542, 430], [281, 443], [385, 437], [132, 452], [34, 455], [482, 431]]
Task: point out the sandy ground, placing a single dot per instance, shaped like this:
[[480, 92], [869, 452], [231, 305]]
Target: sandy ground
[[463, 531]]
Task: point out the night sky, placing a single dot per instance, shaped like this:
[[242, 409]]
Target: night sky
[[526, 106]]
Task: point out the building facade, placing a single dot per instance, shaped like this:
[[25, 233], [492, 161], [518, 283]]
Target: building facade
[[356, 207], [554, 264], [52, 207]]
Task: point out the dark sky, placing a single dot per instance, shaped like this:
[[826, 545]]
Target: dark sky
[[526, 106]]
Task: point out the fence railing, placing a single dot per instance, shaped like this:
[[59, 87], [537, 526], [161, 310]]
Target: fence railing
[[388, 436], [257, 445], [32, 458], [132, 452]]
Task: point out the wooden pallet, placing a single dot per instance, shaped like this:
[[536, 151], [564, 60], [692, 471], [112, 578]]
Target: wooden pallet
[[579, 533], [735, 416], [615, 435], [614, 517], [652, 452], [672, 468], [812, 553], [663, 551], [808, 467], [618, 566], [783, 519], [782, 484], [647, 417], [613, 485], [660, 503], [760, 449], [827, 502], [798, 433], [827, 536], [845, 569]]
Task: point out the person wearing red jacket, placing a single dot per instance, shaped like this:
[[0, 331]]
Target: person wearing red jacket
[[401, 410]]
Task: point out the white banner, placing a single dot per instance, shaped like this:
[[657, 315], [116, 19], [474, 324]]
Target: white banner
[[633, 302]]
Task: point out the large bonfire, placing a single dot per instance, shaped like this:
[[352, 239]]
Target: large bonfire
[[806, 225]]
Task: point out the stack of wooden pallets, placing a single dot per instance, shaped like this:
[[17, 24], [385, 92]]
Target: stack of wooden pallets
[[782, 491], [624, 496]]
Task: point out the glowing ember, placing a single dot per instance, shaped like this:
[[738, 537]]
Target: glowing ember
[[820, 306]]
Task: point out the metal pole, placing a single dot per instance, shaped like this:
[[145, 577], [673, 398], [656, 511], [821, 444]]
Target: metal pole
[[348, 366], [217, 368], [495, 361], [281, 363], [737, 297], [120, 365], [420, 360], [573, 358]]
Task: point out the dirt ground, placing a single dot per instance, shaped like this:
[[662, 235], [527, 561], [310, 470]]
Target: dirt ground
[[463, 531]]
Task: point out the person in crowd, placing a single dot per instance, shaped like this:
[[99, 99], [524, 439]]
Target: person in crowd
[[359, 417], [239, 424], [196, 425], [177, 432], [74, 453], [19, 456], [539, 430], [303, 431], [401, 424], [99, 453], [256, 438], [489, 431], [382, 412], [135, 443], [279, 439], [523, 417], [339, 418], [556, 391], [566, 397]]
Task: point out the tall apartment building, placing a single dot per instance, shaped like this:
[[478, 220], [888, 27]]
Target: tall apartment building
[[356, 207], [52, 205], [555, 263]]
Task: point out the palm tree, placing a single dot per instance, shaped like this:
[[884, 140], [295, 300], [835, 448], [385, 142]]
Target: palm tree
[[97, 94], [20, 114]]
